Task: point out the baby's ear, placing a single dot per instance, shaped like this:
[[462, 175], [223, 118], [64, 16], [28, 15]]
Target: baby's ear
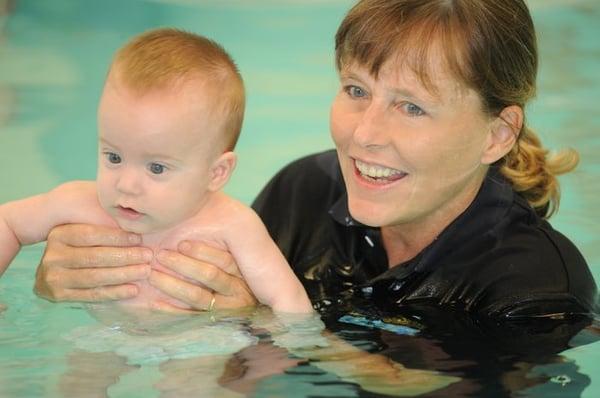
[[505, 130], [221, 170]]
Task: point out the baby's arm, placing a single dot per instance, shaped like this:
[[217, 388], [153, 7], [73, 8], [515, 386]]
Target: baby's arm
[[29, 220], [263, 266]]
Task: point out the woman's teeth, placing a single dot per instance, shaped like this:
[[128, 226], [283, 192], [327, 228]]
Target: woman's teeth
[[375, 171]]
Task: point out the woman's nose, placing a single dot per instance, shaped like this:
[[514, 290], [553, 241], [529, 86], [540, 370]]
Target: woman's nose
[[129, 181], [370, 131]]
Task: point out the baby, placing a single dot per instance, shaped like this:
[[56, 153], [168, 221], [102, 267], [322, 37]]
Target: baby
[[169, 117]]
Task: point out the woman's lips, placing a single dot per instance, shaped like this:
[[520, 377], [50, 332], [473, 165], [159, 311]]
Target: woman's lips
[[374, 174], [129, 213]]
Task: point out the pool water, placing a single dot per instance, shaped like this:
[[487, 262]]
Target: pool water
[[53, 59]]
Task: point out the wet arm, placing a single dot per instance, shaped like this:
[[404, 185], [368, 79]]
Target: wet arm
[[265, 269], [29, 220], [9, 243], [255, 269], [22, 222]]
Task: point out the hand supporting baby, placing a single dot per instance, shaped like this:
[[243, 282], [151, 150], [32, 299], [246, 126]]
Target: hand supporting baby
[[93, 263]]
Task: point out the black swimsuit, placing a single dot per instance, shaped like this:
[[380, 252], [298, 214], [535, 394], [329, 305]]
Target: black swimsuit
[[497, 259]]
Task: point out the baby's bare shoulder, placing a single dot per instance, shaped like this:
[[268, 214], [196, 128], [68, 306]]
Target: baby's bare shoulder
[[232, 210], [75, 193], [78, 200], [79, 189], [220, 221]]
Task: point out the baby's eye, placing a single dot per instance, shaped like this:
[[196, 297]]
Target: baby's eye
[[412, 109], [355, 91], [156, 168], [113, 157]]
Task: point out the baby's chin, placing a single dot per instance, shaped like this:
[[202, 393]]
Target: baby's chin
[[138, 228], [145, 228]]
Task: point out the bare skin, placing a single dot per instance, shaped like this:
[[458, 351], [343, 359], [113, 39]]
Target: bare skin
[[161, 169], [93, 263], [138, 272]]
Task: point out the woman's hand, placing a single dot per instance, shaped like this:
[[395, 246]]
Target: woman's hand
[[219, 283], [91, 263], [94, 263]]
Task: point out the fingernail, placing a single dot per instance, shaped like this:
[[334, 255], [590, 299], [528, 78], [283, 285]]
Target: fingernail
[[185, 246], [134, 239], [161, 255], [131, 291], [148, 255], [150, 278], [147, 272]]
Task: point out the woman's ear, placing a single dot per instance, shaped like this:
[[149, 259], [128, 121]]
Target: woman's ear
[[221, 170], [505, 130]]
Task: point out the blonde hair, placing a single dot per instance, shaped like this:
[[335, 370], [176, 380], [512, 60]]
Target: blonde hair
[[165, 58], [488, 45]]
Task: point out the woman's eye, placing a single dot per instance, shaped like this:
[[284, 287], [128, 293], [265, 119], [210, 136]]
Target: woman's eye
[[113, 157], [156, 168], [355, 91], [413, 110]]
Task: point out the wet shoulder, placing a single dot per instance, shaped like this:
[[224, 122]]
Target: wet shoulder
[[534, 268], [77, 202], [219, 218], [226, 210]]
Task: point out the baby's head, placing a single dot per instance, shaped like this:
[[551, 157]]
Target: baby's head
[[169, 117]]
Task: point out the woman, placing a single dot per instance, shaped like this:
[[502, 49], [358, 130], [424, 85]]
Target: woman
[[439, 192]]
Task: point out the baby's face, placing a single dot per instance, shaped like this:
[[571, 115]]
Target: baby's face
[[155, 156]]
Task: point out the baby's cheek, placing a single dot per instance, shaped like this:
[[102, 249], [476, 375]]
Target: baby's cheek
[[103, 195]]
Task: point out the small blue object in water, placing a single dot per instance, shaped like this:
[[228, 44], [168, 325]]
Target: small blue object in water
[[563, 380], [379, 324]]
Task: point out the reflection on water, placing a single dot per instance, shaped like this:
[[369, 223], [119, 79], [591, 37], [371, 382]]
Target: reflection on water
[[426, 352]]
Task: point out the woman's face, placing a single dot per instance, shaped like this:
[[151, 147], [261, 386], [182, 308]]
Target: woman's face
[[408, 155]]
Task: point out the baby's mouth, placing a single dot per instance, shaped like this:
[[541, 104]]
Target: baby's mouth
[[128, 212], [378, 174]]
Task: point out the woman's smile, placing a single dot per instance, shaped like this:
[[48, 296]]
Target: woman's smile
[[375, 174]]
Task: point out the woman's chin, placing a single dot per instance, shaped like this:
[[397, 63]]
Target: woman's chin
[[367, 215]]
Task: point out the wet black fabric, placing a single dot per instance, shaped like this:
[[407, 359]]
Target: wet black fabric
[[497, 259]]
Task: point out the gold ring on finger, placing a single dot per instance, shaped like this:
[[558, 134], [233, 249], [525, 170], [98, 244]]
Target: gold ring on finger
[[212, 303]]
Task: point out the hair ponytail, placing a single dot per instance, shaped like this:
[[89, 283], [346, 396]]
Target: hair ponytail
[[532, 171]]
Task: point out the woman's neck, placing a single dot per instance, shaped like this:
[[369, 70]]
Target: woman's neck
[[404, 241]]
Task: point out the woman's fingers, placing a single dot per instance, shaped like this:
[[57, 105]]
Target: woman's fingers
[[91, 284], [211, 255], [84, 235], [205, 273], [194, 295], [89, 257], [98, 277], [201, 297], [83, 246], [213, 271], [76, 267], [104, 293]]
